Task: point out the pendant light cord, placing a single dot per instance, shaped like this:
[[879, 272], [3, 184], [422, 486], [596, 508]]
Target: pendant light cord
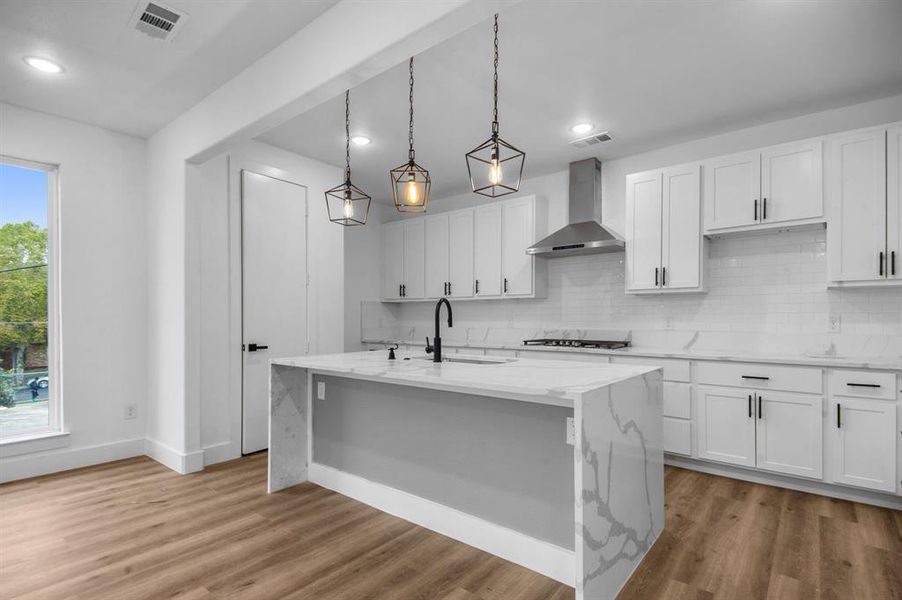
[[410, 152], [495, 97], [348, 136]]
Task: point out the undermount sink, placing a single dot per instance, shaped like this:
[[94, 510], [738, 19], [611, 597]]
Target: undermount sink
[[472, 360]]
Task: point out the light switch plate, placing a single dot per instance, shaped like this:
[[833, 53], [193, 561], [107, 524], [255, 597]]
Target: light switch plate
[[571, 431], [131, 411], [834, 323], [320, 390]]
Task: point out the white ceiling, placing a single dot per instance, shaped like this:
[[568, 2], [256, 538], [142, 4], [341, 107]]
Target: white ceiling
[[651, 73], [119, 78]]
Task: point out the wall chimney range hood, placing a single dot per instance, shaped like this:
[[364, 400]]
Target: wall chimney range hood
[[583, 234]]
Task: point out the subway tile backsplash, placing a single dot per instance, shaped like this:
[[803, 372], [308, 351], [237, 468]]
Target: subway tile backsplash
[[763, 283]]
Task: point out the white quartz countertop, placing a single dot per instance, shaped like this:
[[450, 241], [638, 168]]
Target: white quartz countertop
[[541, 381], [850, 362]]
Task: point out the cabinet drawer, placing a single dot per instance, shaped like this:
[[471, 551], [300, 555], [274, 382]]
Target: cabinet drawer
[[863, 384], [677, 400], [761, 376], [677, 436], [674, 369]]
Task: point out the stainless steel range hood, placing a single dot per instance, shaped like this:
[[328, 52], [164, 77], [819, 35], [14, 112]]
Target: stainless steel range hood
[[584, 234]]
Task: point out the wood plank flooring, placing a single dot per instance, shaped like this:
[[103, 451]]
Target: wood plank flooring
[[134, 530]]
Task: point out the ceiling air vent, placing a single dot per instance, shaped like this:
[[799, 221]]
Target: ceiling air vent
[[595, 138], [158, 20]]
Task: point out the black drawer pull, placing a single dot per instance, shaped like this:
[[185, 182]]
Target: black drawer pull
[[756, 377], [867, 385]]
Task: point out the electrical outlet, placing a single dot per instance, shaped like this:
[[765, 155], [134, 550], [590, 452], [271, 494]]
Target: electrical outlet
[[131, 411], [668, 323], [320, 390], [834, 323], [571, 431]]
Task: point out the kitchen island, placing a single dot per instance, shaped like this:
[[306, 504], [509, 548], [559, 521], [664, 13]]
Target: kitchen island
[[477, 448]]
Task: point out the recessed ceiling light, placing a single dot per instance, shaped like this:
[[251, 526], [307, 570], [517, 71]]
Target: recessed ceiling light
[[582, 128], [361, 140], [43, 65]]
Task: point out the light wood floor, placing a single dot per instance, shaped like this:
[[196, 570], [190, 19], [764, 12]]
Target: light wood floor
[[132, 530]]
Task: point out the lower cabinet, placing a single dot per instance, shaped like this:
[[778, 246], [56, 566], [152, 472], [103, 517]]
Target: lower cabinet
[[774, 431], [864, 443]]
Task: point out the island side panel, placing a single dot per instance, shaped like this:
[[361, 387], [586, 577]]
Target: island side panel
[[288, 418], [619, 482]]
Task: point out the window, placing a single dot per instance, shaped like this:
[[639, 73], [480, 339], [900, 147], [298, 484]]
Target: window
[[29, 374]]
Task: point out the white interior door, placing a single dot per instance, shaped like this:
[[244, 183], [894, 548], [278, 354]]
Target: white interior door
[[274, 291], [681, 235]]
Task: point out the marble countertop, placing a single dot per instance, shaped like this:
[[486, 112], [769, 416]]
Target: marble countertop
[[542, 381], [851, 362]]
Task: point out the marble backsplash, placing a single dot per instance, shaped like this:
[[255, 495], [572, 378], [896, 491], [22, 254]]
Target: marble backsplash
[[767, 293]]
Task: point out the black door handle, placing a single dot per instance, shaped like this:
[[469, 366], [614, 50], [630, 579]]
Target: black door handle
[[255, 347]]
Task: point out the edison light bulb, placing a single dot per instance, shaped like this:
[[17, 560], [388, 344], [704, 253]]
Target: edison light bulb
[[348, 208], [495, 168], [413, 193]]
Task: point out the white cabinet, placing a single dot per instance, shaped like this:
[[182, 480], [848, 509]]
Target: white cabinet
[[732, 191], [769, 187], [437, 256], [726, 425], [488, 250], [864, 443], [517, 234], [392, 260], [894, 201], [789, 433], [403, 260], [856, 191], [663, 222], [461, 245], [414, 259]]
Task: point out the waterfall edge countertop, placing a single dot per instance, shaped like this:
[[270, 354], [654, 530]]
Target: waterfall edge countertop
[[541, 381]]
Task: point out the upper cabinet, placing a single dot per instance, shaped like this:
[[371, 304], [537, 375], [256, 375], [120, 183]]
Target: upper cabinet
[[777, 186], [663, 223], [864, 207], [471, 253]]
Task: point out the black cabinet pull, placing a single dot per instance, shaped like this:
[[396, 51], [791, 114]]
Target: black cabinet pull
[[505, 285], [762, 378], [446, 288], [663, 276], [404, 290], [880, 264], [477, 286], [256, 347], [764, 209], [867, 385], [399, 290], [449, 288], [756, 209], [759, 407], [892, 262], [838, 416], [656, 276], [750, 406]]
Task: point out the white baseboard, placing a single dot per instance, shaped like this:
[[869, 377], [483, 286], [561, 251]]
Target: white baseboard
[[217, 453], [812, 487], [175, 460], [33, 465], [543, 557]]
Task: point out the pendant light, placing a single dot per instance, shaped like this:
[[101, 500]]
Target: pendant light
[[495, 167], [410, 182], [347, 204]]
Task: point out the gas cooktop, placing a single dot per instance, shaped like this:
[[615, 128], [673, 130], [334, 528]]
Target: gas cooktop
[[571, 343]]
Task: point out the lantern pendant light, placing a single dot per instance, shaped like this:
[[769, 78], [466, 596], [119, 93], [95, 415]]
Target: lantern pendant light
[[347, 204], [495, 167], [410, 183]]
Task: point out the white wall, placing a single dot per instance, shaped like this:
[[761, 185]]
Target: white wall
[[103, 284], [214, 187]]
